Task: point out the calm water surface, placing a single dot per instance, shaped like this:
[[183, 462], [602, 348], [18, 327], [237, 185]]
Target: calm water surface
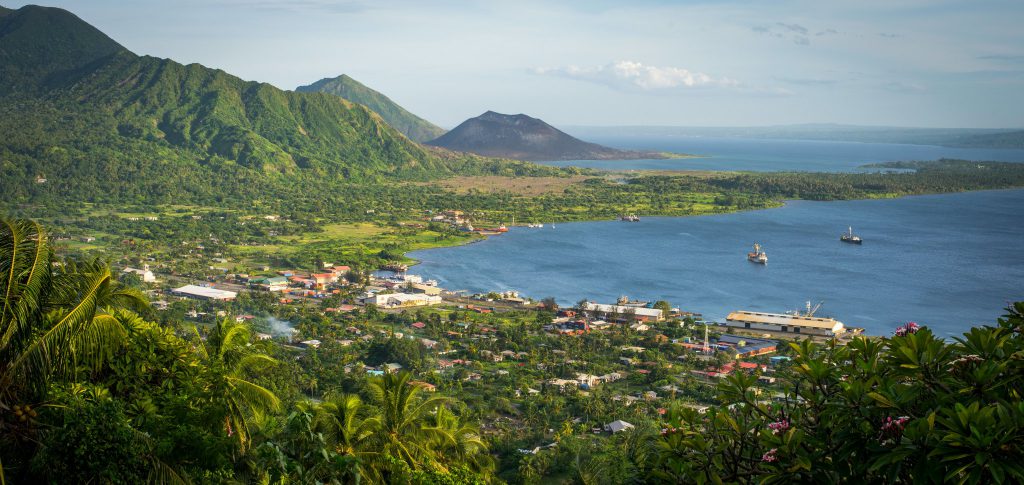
[[947, 261], [778, 155]]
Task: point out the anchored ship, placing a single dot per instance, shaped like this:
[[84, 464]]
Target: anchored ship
[[758, 255], [850, 237]]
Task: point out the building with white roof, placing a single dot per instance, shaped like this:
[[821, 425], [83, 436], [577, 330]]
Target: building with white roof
[[398, 300], [144, 273], [622, 312], [204, 293], [617, 425]]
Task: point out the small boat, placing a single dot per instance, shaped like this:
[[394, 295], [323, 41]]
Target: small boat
[[758, 255], [502, 228], [535, 225], [630, 218], [850, 237]]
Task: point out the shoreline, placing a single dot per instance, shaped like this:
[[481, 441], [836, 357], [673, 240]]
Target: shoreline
[[870, 329], [783, 203]]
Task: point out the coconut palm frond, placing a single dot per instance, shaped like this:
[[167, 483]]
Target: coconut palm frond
[[252, 363], [98, 340], [26, 260], [254, 396], [51, 350], [24, 274]]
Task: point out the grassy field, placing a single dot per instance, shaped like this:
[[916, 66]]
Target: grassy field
[[522, 186], [352, 240]]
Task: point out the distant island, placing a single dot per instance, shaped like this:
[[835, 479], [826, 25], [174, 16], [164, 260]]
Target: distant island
[[522, 137], [1012, 138]]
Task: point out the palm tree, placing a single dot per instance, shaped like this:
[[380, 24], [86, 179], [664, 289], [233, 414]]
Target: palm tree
[[347, 427], [404, 430], [56, 319], [231, 361], [587, 470], [461, 442], [53, 320]]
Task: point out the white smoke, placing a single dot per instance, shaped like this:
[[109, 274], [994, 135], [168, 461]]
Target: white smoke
[[280, 328]]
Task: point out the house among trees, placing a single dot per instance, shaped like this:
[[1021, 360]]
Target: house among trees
[[276, 283], [617, 426], [144, 273]]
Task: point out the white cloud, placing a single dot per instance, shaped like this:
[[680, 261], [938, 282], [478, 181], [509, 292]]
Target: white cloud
[[632, 74]]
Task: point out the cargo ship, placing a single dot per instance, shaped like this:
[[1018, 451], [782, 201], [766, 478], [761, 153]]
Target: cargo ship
[[758, 255], [850, 237]]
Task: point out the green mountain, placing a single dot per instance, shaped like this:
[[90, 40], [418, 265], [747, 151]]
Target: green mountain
[[412, 126], [42, 48], [95, 119]]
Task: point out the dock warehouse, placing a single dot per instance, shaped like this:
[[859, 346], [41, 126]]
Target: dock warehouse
[[779, 322]]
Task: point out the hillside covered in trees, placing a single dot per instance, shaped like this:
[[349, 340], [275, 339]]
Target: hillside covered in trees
[[78, 108], [412, 126]]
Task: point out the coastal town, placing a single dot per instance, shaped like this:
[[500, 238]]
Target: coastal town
[[597, 368]]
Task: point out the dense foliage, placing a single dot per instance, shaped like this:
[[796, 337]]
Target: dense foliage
[[911, 408], [90, 391], [412, 126], [95, 111]]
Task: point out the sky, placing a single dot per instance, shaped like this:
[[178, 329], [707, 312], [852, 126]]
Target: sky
[[927, 63]]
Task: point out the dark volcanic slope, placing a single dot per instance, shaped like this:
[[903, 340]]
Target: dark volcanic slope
[[524, 138]]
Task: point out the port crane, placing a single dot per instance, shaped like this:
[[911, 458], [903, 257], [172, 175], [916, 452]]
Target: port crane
[[812, 311]]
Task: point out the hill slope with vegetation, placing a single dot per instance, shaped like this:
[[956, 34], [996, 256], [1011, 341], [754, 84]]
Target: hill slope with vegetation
[[526, 138], [78, 109], [412, 126]]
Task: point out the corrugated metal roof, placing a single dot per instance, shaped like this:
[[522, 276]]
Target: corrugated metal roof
[[782, 319]]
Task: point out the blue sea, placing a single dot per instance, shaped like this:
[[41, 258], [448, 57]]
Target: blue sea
[[767, 155], [948, 261]]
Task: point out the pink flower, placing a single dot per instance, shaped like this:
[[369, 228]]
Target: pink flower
[[779, 427], [892, 429], [770, 456], [909, 328]]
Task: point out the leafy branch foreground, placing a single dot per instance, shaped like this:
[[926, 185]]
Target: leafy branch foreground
[[911, 408]]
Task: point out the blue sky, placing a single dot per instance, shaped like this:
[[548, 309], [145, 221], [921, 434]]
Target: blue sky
[[936, 63]]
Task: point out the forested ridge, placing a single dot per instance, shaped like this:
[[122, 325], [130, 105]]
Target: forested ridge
[[414, 127], [74, 102]]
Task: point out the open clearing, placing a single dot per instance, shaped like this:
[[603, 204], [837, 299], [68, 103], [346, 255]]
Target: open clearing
[[523, 186]]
